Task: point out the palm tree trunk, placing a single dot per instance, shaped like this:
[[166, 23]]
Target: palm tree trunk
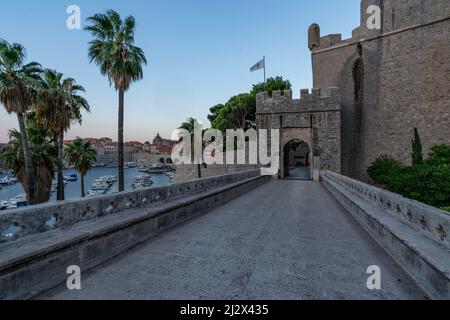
[[60, 193], [120, 141], [27, 159], [82, 186]]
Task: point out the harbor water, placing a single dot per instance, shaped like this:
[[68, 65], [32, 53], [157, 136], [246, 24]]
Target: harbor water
[[73, 189]]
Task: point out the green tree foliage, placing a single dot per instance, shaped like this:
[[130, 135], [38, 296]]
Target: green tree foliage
[[439, 155], [384, 169], [80, 154], [17, 89], [272, 84], [114, 52], [214, 111], [44, 156], [417, 154], [426, 183], [57, 106], [238, 113]]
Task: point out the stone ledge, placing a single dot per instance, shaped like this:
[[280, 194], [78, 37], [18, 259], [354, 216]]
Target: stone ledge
[[38, 262], [425, 260]]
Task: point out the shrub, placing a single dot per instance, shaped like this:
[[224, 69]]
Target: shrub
[[439, 155], [384, 169], [426, 183]]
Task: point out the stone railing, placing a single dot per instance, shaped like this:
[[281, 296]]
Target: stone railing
[[429, 220], [41, 218], [413, 233]]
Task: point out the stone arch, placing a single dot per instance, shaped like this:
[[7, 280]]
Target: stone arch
[[297, 159], [301, 136]]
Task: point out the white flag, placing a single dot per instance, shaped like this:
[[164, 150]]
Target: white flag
[[260, 65]]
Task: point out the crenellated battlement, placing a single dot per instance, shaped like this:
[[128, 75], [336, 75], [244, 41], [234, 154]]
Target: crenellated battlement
[[282, 101]]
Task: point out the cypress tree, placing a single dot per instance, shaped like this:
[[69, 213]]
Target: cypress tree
[[417, 154]]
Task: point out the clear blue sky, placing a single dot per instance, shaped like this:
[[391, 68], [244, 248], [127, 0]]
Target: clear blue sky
[[199, 53]]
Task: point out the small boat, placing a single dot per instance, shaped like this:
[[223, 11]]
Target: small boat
[[71, 178], [110, 179], [170, 174], [7, 181], [19, 201], [142, 181], [131, 164], [4, 205], [93, 193]]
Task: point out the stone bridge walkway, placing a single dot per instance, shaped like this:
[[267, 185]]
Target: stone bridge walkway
[[284, 240]]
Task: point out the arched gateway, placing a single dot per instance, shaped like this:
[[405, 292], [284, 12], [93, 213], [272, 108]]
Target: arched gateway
[[310, 130], [296, 160]]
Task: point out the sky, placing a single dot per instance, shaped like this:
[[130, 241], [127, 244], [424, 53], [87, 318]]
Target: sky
[[199, 54]]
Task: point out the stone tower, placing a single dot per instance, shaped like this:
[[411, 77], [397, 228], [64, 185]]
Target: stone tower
[[390, 80]]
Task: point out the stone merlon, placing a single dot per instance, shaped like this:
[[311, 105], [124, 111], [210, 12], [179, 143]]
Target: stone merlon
[[282, 101]]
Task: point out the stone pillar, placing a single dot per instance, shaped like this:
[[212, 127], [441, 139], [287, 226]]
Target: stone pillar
[[316, 169]]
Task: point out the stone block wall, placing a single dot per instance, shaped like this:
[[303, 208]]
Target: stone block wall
[[406, 81], [314, 119]]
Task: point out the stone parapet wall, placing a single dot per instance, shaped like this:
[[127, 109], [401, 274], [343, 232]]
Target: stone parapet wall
[[414, 234], [18, 223], [282, 102], [426, 219], [34, 264]]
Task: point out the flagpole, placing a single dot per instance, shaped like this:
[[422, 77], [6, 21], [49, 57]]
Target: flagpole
[[264, 58]]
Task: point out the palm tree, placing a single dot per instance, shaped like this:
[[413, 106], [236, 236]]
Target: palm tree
[[17, 82], [114, 52], [81, 155], [57, 106], [43, 153]]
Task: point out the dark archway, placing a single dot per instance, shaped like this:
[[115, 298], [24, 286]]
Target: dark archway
[[297, 160]]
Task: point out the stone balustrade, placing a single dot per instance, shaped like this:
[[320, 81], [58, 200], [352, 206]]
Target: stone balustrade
[[426, 219], [18, 223], [413, 233]]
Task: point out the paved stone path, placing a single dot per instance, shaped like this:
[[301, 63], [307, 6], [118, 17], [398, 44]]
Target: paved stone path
[[284, 240], [300, 173]]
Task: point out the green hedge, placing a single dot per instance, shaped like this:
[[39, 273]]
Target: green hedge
[[384, 169], [428, 182]]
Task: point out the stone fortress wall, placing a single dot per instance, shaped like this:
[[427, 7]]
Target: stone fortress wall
[[390, 80], [313, 119]]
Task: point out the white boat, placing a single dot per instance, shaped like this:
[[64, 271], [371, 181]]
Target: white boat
[[96, 192], [19, 201], [110, 179], [131, 164], [4, 205], [142, 181], [92, 193], [71, 178], [101, 185], [7, 181]]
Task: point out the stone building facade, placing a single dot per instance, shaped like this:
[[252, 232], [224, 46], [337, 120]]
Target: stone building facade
[[314, 119], [390, 80]]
